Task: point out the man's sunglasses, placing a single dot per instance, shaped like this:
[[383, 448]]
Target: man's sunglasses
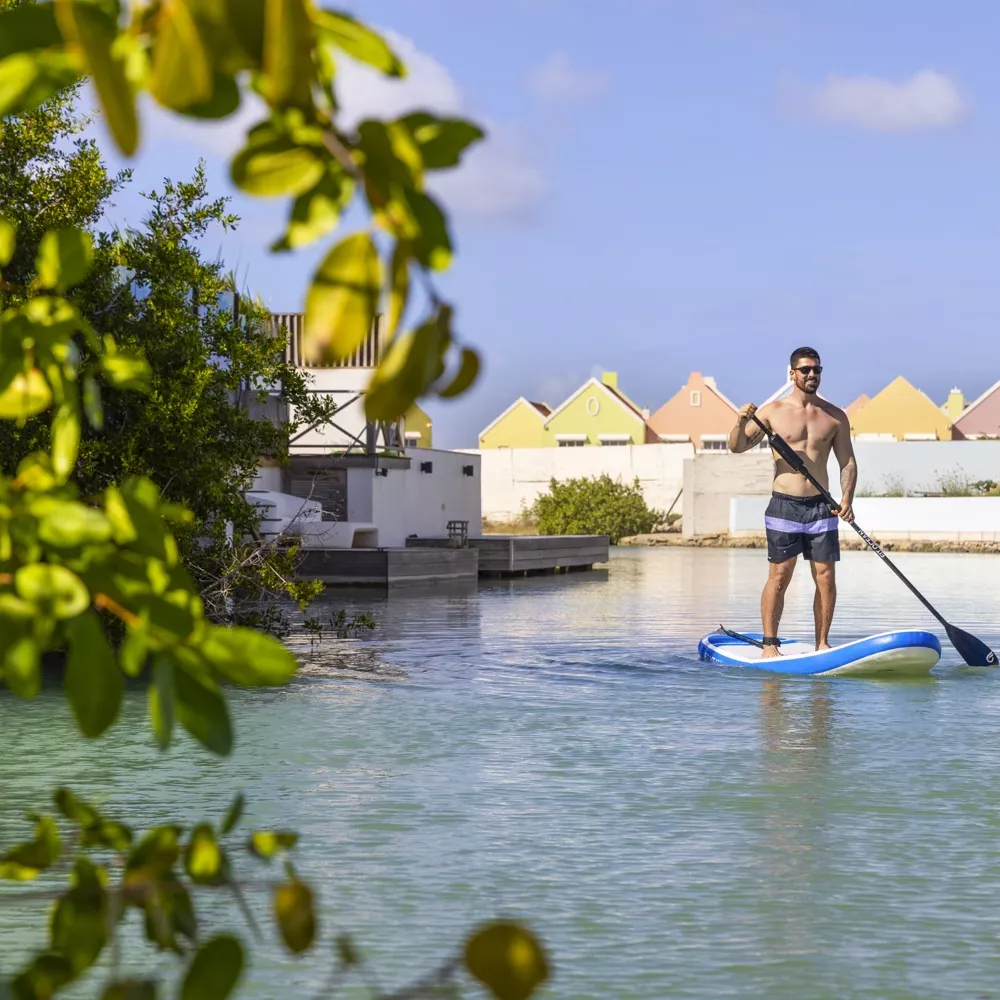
[[809, 369]]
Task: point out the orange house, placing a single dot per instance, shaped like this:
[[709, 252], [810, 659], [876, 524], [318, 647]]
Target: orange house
[[699, 413]]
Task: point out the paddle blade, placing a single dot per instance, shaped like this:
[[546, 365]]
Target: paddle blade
[[975, 652]]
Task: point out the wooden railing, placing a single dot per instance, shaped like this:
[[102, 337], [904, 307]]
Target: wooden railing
[[367, 355]]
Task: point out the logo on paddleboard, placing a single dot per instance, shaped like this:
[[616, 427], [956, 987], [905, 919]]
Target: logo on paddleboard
[[992, 658]]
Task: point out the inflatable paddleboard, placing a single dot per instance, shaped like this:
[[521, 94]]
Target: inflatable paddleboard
[[900, 653]]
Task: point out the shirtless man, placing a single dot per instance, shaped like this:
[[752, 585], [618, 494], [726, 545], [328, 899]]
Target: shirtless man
[[797, 521]]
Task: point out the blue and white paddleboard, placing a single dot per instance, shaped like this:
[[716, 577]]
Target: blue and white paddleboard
[[899, 653]]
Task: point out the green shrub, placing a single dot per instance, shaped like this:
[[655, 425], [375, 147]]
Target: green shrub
[[595, 506]]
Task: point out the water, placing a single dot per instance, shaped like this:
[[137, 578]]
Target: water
[[552, 750]]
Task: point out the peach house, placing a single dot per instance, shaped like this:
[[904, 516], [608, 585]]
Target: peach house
[[981, 418], [699, 413]]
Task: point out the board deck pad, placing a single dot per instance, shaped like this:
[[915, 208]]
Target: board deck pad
[[906, 652]]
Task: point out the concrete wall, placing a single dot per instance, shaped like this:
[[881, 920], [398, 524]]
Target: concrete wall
[[410, 502], [916, 518], [514, 477], [711, 481]]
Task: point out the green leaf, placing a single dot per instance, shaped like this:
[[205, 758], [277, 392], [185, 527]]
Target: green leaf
[[126, 371], [182, 67], [223, 101], [59, 592], [288, 63], [161, 700], [29, 79], [201, 710], [245, 20], [343, 299], [92, 33], [74, 809], [130, 989], [92, 407], [247, 657], [28, 27], [65, 441], [358, 41], [45, 976], [64, 258], [203, 860], [441, 141], [168, 912], [80, 918], [266, 843], [293, 910], [93, 681], [465, 377], [154, 855], [8, 241], [400, 291], [22, 666], [233, 815], [132, 653], [26, 395], [214, 971], [431, 239], [413, 363], [507, 959], [141, 499], [67, 524], [317, 212], [24, 862], [277, 167]]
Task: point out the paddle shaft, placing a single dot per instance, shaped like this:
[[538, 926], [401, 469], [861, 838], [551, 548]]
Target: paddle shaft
[[782, 447]]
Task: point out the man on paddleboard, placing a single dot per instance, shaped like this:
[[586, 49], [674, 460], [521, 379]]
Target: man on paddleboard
[[797, 521]]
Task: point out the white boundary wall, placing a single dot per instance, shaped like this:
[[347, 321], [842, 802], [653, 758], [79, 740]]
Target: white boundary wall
[[514, 477], [915, 518]]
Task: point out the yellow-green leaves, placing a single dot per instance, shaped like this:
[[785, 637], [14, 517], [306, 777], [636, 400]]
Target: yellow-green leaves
[[160, 700], [25, 395], [317, 212], [273, 165], [93, 681], [266, 843], [288, 44], [464, 377], [441, 141], [64, 258], [358, 41], [8, 241], [33, 64], [182, 68], [247, 657], [201, 710], [91, 33], [233, 815], [21, 663], [24, 862], [65, 438], [214, 971], [399, 291], [343, 298], [293, 910], [67, 524], [57, 591], [507, 959], [80, 918], [204, 860]]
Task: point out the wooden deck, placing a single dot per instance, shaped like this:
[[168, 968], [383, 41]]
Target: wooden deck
[[390, 567], [527, 555]]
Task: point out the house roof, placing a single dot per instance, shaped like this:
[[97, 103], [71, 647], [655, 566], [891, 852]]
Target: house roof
[[710, 382], [981, 399], [856, 404], [541, 409], [617, 396]]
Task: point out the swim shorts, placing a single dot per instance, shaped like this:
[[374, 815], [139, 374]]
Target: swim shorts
[[801, 526]]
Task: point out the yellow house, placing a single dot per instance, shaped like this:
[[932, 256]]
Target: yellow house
[[417, 428], [954, 405], [901, 412], [598, 413], [521, 425]]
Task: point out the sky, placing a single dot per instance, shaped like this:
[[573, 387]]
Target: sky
[[678, 185]]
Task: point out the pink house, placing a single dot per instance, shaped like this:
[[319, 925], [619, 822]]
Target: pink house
[[699, 413], [981, 418]]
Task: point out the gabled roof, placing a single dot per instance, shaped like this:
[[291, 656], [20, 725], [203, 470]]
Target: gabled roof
[[541, 409], [976, 402], [710, 382], [856, 405], [617, 396]]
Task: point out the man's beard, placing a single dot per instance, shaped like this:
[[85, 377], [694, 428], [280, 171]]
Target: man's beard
[[810, 388]]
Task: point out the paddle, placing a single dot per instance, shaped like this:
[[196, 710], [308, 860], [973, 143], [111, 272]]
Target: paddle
[[974, 651]]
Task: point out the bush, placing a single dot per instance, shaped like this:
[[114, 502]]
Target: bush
[[595, 506]]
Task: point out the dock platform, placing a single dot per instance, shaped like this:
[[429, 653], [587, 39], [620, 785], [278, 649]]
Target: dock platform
[[526, 555], [400, 567]]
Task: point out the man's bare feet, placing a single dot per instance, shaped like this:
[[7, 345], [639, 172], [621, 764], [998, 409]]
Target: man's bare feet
[[820, 646], [769, 653]]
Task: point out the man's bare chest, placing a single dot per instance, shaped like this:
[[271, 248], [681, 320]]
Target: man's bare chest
[[809, 430]]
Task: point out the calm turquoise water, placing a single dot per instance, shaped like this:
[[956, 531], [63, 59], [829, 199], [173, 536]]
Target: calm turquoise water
[[554, 751]]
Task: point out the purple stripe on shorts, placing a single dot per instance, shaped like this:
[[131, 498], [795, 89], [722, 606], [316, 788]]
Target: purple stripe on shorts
[[820, 527]]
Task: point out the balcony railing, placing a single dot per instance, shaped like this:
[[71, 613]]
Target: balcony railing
[[367, 355]]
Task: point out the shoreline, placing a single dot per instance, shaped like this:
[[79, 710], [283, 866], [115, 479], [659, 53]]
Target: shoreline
[[944, 546]]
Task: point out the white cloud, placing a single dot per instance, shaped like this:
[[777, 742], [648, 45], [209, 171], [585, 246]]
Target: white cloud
[[926, 101], [558, 80]]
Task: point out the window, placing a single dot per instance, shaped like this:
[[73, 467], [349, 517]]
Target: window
[[616, 442], [696, 397], [571, 443], [714, 446]]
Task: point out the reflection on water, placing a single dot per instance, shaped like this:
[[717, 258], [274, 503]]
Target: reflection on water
[[553, 749]]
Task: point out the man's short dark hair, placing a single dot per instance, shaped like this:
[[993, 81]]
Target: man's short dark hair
[[802, 352]]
